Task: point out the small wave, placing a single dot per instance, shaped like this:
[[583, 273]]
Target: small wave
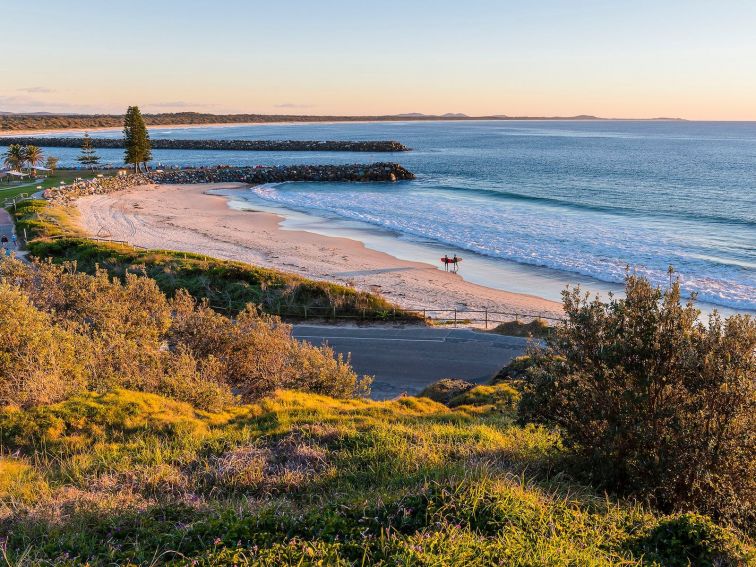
[[597, 245]]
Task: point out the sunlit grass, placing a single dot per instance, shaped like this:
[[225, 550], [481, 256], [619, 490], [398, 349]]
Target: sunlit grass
[[300, 478]]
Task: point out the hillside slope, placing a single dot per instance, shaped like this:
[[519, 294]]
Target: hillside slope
[[126, 477]]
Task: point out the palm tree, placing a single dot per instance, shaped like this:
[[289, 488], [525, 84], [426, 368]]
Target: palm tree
[[14, 157], [33, 155]]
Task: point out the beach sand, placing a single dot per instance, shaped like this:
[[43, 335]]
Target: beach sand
[[187, 218]]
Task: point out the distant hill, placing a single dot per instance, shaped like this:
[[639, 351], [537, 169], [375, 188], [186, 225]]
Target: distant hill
[[10, 121]]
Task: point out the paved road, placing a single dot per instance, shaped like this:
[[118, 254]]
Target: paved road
[[408, 359]]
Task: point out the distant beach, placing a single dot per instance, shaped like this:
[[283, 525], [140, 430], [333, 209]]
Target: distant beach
[[190, 218]]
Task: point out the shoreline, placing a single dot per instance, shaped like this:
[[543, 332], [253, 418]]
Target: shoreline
[[32, 132], [196, 218]]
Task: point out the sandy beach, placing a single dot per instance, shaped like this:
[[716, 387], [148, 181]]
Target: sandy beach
[[187, 218]]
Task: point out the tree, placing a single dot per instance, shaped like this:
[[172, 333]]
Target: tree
[[654, 402], [14, 157], [51, 164], [88, 157], [136, 139], [33, 156]]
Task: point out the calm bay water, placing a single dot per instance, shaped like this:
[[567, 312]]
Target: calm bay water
[[582, 198]]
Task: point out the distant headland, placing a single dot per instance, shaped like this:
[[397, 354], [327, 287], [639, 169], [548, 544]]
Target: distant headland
[[49, 121]]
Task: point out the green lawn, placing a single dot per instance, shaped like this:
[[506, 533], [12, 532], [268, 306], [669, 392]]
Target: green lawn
[[15, 189]]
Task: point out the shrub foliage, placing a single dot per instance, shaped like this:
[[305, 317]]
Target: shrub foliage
[[63, 331], [655, 402]]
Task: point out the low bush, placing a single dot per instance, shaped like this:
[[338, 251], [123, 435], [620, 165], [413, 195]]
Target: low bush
[[538, 329], [444, 390], [654, 402], [502, 396], [64, 331]]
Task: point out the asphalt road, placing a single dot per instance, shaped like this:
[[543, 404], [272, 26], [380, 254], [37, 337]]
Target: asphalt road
[[408, 359]]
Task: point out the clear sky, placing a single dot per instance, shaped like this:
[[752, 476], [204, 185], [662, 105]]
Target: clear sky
[[615, 58]]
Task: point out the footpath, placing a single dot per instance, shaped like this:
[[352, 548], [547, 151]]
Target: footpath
[[7, 229]]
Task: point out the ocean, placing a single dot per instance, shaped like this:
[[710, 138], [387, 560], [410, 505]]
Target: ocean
[[531, 201]]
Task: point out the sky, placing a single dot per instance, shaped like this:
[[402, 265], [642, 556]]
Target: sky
[[691, 59]]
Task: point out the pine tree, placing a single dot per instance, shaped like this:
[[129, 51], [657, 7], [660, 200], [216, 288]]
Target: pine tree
[[136, 139], [88, 157]]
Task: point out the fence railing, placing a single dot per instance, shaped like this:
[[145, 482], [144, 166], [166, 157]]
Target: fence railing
[[453, 316]]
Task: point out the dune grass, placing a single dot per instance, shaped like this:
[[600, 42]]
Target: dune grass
[[227, 285], [301, 479]]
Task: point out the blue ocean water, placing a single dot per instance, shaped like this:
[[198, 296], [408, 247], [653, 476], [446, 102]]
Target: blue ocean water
[[587, 198]]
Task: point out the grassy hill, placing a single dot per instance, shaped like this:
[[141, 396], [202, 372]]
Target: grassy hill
[[227, 285], [301, 479]]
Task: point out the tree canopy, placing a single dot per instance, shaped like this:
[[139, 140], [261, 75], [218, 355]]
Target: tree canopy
[[136, 139], [88, 157]]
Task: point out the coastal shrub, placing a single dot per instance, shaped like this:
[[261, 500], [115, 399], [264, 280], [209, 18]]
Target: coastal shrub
[[537, 328], [227, 285], [39, 362], [688, 539], [446, 389], [128, 334], [257, 354], [654, 402], [502, 396]]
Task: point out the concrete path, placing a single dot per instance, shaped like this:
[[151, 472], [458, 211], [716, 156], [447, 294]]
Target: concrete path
[[7, 229], [408, 359]]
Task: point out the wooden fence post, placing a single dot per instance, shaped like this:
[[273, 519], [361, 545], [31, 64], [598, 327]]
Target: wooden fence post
[[455, 317]]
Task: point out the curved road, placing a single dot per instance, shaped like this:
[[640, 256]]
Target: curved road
[[406, 359]]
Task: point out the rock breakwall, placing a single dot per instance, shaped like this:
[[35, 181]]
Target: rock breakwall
[[374, 172], [238, 145]]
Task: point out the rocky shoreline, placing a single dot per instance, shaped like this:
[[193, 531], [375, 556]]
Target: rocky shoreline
[[223, 145], [374, 172]]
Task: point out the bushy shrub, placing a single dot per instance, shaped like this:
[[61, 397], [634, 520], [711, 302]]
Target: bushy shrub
[[64, 331], [689, 539], [503, 396], [654, 402], [446, 389], [257, 353], [39, 362]]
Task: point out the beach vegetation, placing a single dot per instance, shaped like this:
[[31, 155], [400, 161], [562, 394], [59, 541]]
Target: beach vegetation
[[142, 429], [63, 331], [537, 329], [126, 477], [654, 402], [227, 286]]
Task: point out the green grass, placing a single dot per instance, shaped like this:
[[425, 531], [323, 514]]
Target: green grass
[[11, 190], [301, 479]]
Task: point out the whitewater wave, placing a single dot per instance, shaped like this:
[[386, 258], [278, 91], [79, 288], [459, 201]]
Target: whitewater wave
[[590, 243]]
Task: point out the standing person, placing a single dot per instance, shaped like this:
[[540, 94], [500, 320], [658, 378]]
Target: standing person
[[4, 241], [15, 240]]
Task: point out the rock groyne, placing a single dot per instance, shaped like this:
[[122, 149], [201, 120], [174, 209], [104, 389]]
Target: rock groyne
[[373, 172], [238, 145]]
